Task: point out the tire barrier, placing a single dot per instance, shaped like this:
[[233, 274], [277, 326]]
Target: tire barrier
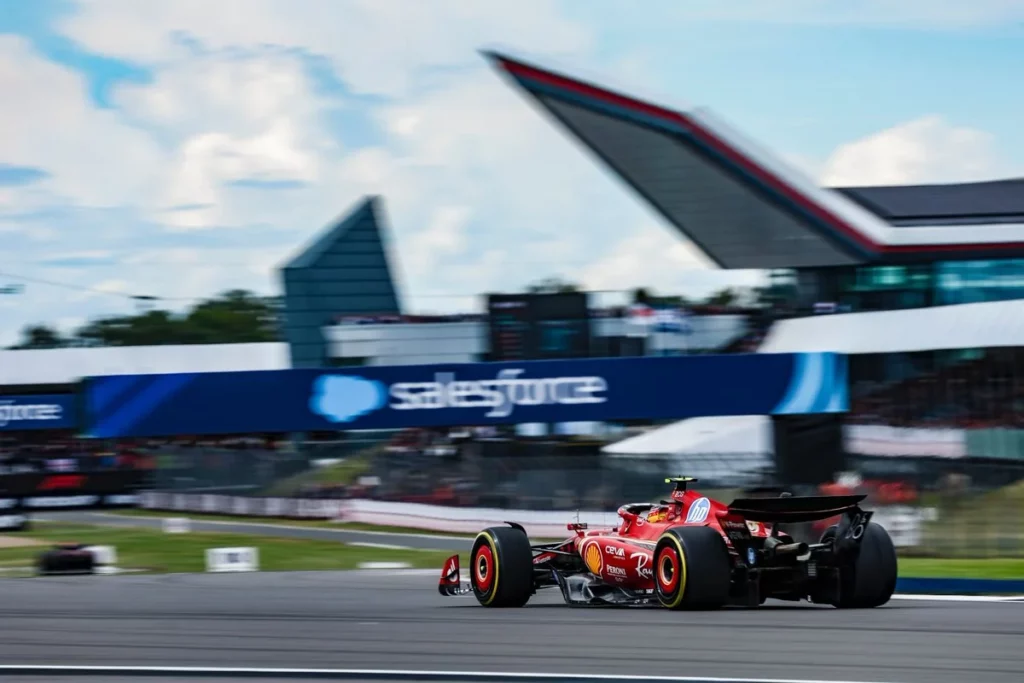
[[232, 560], [13, 522], [105, 557], [67, 558]]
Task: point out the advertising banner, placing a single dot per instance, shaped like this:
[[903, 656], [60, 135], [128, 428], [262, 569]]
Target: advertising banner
[[397, 397], [44, 411]]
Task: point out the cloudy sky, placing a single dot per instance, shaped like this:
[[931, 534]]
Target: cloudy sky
[[176, 148]]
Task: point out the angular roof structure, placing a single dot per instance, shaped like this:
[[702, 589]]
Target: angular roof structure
[[347, 270], [997, 201], [745, 208]]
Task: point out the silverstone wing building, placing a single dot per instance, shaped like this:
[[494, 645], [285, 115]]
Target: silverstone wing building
[[868, 248], [950, 372]]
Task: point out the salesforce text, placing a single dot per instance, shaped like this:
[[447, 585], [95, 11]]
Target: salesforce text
[[501, 395], [9, 412]]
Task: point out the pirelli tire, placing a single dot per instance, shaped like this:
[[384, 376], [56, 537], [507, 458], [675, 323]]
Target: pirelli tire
[[692, 569], [501, 567], [870, 579]]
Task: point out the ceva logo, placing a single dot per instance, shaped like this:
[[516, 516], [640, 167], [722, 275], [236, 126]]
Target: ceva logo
[[344, 398]]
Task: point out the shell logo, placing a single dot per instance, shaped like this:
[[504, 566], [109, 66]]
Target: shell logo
[[592, 558]]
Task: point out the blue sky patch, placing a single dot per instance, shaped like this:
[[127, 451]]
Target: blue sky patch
[[15, 176]]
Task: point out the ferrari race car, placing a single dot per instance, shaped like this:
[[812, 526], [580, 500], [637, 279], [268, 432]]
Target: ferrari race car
[[690, 552]]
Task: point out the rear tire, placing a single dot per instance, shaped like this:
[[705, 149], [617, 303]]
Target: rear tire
[[501, 567], [870, 580], [692, 569]]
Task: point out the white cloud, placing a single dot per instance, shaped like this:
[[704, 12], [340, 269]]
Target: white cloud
[[242, 110], [443, 237], [916, 14], [652, 256], [376, 46], [188, 274], [47, 122], [650, 250], [242, 91], [926, 150], [225, 119]]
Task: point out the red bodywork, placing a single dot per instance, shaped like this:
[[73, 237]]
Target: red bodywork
[[623, 556]]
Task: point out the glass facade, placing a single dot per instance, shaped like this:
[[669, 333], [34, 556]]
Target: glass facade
[[881, 288], [975, 281], [346, 272]]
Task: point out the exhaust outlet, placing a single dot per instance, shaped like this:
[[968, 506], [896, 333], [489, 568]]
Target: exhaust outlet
[[787, 549]]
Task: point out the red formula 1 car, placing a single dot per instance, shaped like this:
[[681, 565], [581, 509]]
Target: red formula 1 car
[[690, 552]]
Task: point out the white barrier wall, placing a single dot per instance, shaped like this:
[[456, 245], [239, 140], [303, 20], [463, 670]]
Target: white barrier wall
[[908, 442], [538, 523], [903, 523], [428, 518]]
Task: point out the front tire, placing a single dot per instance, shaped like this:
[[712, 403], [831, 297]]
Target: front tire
[[870, 580], [692, 569], [501, 567]]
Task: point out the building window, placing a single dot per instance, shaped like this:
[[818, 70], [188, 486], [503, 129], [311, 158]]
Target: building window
[[980, 281]]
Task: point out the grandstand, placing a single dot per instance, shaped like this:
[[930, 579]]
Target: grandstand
[[922, 285]]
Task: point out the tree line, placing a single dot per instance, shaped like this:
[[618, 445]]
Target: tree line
[[234, 317], [240, 316]]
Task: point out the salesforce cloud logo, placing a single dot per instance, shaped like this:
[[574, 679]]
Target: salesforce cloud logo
[[343, 398]]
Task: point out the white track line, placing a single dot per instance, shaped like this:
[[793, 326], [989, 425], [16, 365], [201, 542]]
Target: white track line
[[960, 598], [380, 674]]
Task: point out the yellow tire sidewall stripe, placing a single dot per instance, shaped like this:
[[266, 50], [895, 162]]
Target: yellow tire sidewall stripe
[[494, 561], [678, 600]]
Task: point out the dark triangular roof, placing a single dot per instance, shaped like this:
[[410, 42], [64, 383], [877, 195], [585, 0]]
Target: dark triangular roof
[[935, 204], [367, 208]]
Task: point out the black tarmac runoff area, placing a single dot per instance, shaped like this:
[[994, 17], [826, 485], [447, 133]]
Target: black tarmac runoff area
[[397, 620]]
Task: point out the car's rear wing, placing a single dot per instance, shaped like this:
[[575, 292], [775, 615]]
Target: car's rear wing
[[794, 509]]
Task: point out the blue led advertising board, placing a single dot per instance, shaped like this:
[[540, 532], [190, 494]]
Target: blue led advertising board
[[395, 397]]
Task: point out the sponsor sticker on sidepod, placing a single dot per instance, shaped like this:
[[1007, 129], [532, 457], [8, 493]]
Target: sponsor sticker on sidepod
[[698, 511]]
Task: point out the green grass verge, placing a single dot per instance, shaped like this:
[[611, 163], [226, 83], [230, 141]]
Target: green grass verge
[[995, 568], [155, 551]]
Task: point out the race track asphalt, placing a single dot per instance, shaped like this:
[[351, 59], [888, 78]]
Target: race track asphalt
[[396, 620]]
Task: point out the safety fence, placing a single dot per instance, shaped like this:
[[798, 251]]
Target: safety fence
[[190, 468], [965, 528]]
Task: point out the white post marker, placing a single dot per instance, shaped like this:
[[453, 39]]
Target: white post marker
[[232, 560], [177, 525], [384, 565], [105, 557]]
